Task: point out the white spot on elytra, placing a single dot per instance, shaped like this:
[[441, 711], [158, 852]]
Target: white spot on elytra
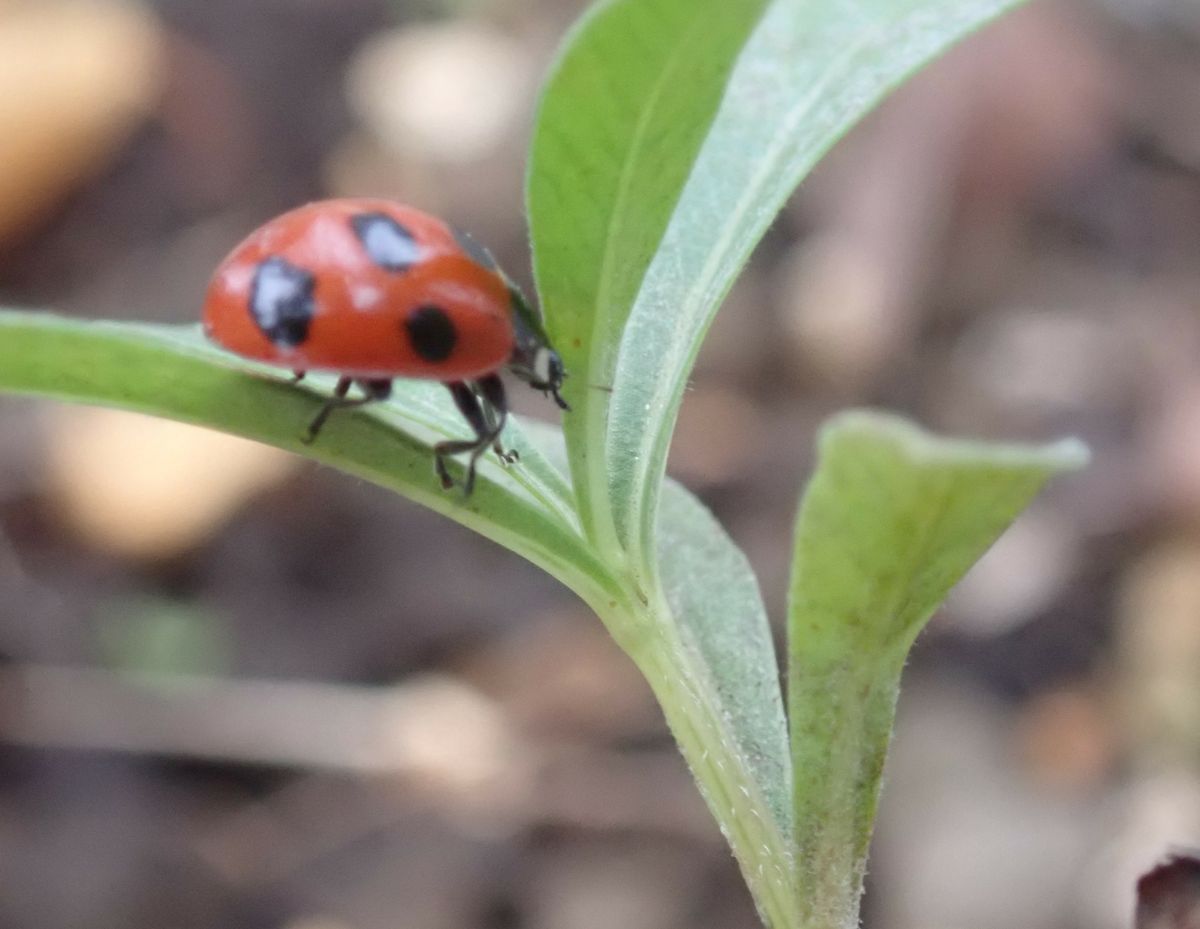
[[365, 297], [236, 278]]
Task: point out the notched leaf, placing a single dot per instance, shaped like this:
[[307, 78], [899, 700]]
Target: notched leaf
[[895, 515]]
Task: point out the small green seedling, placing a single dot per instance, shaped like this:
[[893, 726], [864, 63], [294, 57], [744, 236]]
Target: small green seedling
[[669, 134]]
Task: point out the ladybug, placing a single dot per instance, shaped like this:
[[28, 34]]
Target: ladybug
[[373, 290]]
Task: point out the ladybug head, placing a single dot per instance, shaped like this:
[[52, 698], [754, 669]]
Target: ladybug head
[[541, 369], [547, 374], [533, 360]]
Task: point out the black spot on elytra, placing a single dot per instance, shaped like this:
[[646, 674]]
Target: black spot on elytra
[[476, 252], [389, 244], [431, 332], [281, 301]]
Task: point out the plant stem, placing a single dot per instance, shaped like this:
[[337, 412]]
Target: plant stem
[[721, 771], [842, 713]]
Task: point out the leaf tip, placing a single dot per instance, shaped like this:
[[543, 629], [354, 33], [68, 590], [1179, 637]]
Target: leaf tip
[[919, 444]]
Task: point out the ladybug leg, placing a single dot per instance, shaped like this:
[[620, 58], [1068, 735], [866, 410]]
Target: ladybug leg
[[468, 405], [339, 396], [372, 390], [486, 418], [297, 377], [495, 409]]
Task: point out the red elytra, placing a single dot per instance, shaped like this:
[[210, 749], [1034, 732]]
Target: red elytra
[[358, 307], [374, 290]]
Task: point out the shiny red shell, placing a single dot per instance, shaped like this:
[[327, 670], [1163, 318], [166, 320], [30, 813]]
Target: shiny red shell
[[360, 313]]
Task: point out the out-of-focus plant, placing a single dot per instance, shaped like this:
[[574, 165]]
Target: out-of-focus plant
[[669, 134]]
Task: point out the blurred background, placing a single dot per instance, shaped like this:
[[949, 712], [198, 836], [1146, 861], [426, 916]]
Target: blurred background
[[239, 690]]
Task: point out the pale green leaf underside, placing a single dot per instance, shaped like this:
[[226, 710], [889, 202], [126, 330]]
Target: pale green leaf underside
[[811, 69], [173, 371], [716, 602], [890, 521]]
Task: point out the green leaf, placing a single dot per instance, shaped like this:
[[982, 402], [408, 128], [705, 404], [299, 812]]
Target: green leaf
[[891, 520], [173, 372], [809, 72], [621, 119]]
